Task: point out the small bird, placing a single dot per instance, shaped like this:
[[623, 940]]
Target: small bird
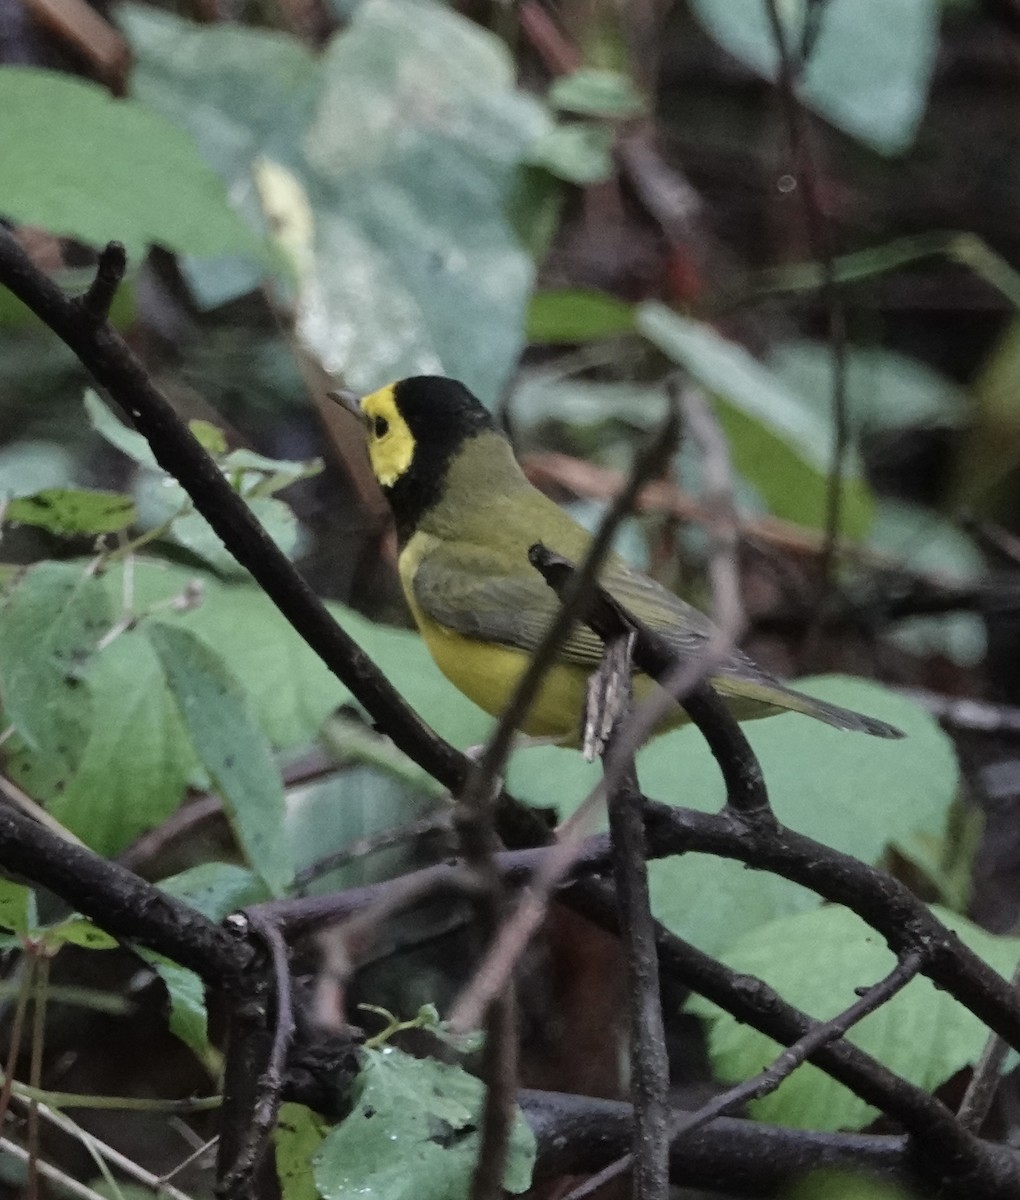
[[466, 516]]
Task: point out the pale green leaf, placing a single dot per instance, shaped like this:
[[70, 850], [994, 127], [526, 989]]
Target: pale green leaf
[[815, 961], [594, 92], [73, 512], [230, 746], [869, 69], [413, 1134], [778, 441], [83, 164]]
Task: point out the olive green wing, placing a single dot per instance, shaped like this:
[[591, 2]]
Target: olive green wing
[[480, 599]]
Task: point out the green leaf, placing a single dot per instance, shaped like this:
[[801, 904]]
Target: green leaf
[[85, 165], [210, 437], [925, 541], [51, 621], [76, 931], [298, 1135], [216, 889], [404, 173], [869, 69], [577, 153], [597, 93], [17, 907], [188, 1019], [884, 390], [192, 531], [569, 315], [273, 474], [851, 791], [230, 746], [816, 960], [127, 441], [136, 766], [778, 441], [72, 512], [538, 397], [413, 1132]]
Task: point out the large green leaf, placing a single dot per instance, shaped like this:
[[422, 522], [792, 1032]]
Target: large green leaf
[[138, 760], [779, 441], [851, 791], [290, 690], [413, 1132], [816, 961], [398, 177], [230, 746], [82, 164], [869, 69], [51, 621]]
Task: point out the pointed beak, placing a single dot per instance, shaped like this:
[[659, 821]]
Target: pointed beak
[[347, 399]]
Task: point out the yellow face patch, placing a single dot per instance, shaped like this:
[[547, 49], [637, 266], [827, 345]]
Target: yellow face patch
[[390, 441]]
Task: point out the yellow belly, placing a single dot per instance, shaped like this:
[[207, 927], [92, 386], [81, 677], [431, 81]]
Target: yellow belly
[[486, 673]]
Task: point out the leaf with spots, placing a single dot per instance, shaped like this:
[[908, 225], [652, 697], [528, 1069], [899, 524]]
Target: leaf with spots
[[413, 1134], [230, 746], [73, 512], [51, 621]]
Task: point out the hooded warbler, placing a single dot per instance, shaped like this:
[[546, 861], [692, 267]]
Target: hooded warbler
[[466, 516]]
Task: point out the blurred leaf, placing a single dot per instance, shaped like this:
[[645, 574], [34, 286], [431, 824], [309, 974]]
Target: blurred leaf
[[192, 531], [569, 315], [216, 889], [210, 437], [298, 1135], [778, 441], [991, 444], [127, 441], [884, 390], [577, 153], [51, 621], [82, 164], [26, 466], [230, 746], [925, 541], [17, 907], [869, 69], [829, 1184], [816, 961], [73, 512], [188, 1019], [273, 474], [291, 691], [851, 791], [408, 173], [325, 816], [413, 1132], [416, 168], [138, 761], [76, 931], [597, 93], [538, 397], [240, 93]]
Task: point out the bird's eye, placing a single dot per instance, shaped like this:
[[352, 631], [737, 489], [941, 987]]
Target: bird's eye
[[380, 427]]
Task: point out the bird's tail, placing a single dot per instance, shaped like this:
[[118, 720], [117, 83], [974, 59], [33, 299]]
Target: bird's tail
[[776, 695]]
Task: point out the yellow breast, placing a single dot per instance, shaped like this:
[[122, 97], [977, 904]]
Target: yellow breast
[[486, 672]]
